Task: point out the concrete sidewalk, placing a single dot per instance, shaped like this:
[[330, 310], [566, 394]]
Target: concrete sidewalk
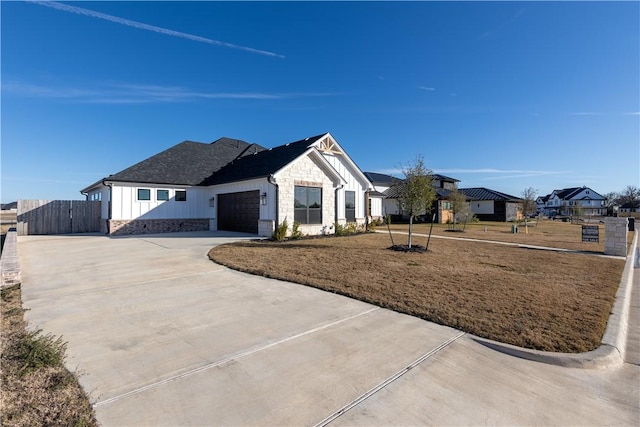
[[163, 336]]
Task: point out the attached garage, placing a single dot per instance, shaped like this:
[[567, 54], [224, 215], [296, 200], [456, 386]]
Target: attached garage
[[239, 211]]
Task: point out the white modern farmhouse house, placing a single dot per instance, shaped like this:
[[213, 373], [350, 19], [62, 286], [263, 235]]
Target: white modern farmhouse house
[[236, 186], [568, 201]]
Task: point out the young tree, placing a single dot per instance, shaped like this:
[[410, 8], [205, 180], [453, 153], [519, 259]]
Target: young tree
[[416, 194], [529, 205], [460, 208]]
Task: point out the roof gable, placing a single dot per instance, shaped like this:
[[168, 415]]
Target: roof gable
[[329, 147]]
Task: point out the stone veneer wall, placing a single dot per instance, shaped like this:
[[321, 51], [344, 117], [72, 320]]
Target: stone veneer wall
[[147, 226], [615, 236], [306, 172]]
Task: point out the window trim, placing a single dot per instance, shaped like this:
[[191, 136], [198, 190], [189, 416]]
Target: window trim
[[307, 209], [139, 199], [158, 190], [348, 210], [180, 192]]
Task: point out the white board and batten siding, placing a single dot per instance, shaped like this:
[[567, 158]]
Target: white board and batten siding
[[376, 206], [353, 183], [125, 204]]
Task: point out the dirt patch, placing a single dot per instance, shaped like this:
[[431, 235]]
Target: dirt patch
[[531, 298]]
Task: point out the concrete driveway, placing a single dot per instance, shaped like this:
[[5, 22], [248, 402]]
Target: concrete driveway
[[163, 336]]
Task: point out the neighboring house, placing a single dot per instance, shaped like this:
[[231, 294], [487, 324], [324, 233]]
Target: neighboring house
[[541, 203], [491, 205], [13, 206], [568, 200], [385, 188], [629, 207], [236, 186], [381, 205]]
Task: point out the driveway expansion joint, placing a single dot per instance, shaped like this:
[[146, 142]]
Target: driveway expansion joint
[[388, 381]]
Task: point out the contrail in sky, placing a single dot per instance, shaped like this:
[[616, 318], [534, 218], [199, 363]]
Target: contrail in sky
[[141, 26]]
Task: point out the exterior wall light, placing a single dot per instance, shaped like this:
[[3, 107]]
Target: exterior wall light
[[212, 202], [263, 198]]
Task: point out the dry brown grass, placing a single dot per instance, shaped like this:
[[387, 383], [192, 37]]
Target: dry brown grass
[[531, 298], [554, 234], [36, 388]]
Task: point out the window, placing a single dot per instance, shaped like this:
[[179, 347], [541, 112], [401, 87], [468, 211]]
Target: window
[[144, 194], [308, 205], [350, 206], [162, 195], [95, 196], [446, 206], [181, 195]]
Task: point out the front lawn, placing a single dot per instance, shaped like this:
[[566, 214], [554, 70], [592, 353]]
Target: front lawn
[[531, 298]]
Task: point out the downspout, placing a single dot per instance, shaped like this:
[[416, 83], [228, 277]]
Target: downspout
[[272, 180], [110, 205], [335, 216], [367, 210]]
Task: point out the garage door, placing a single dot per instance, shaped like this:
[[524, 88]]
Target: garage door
[[239, 211]]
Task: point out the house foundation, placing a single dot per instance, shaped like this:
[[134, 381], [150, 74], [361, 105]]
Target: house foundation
[[124, 227]]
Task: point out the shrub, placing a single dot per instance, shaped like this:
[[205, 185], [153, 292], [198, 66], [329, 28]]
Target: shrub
[[280, 233], [40, 351], [348, 229], [295, 231]]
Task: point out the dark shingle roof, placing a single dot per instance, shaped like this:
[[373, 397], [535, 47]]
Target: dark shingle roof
[[442, 193], [261, 164], [392, 192], [187, 163], [569, 193], [381, 178], [481, 193], [444, 178]]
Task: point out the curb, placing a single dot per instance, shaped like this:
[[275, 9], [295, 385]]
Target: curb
[[612, 347], [10, 262]]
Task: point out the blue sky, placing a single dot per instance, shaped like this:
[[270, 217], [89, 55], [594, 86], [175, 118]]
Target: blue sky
[[504, 95]]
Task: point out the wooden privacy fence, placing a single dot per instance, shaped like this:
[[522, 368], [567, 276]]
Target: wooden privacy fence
[[58, 216]]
